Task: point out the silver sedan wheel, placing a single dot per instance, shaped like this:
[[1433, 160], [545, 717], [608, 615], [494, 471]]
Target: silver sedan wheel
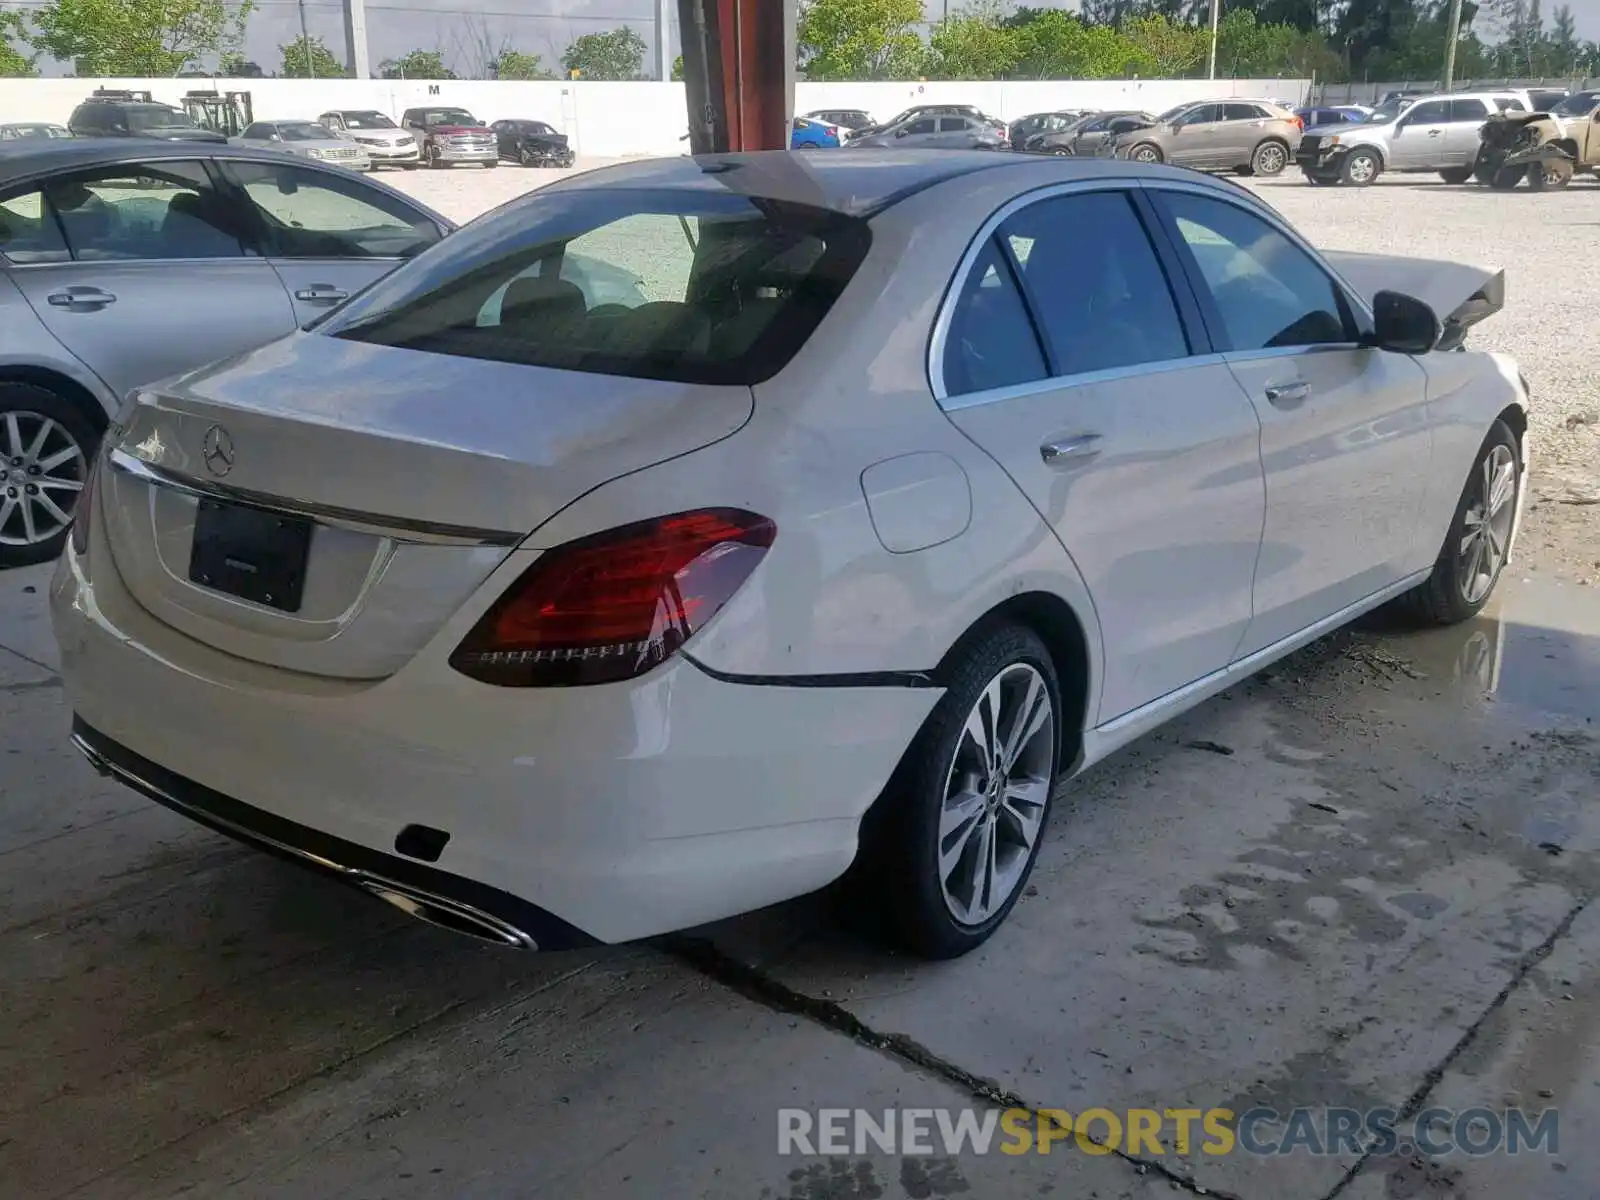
[[1486, 529], [1362, 168], [42, 469], [995, 794]]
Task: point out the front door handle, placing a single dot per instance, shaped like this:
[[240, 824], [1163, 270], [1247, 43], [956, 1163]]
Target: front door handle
[[322, 293], [1066, 453], [81, 297], [1288, 395]]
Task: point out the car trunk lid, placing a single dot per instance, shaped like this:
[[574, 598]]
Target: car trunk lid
[[410, 475]]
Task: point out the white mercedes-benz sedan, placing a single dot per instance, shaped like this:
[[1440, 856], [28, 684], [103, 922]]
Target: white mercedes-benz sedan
[[893, 489]]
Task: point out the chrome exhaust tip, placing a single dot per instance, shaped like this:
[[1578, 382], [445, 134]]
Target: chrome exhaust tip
[[447, 914]]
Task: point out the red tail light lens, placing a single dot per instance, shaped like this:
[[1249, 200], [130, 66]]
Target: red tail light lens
[[83, 509], [615, 605]]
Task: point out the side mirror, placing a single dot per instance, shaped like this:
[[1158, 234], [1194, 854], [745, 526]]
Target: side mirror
[[1403, 324]]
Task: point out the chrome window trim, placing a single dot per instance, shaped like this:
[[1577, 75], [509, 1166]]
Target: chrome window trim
[[396, 529], [1056, 383]]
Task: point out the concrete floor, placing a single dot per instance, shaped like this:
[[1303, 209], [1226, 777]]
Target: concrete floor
[[1359, 880]]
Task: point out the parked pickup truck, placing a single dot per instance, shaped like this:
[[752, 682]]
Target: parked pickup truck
[[449, 136]]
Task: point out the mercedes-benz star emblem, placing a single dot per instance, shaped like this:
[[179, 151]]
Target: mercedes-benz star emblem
[[217, 450]]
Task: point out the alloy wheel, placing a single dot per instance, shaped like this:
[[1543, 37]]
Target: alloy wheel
[[995, 794], [42, 470], [1486, 527], [1146, 154], [1361, 168], [1270, 159]]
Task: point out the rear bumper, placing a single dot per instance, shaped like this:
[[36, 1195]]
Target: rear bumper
[[605, 813], [445, 899]]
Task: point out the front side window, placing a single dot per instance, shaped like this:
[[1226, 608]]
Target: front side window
[[29, 232], [132, 212], [923, 126], [1098, 289], [1205, 114], [1268, 292], [699, 288], [991, 342], [317, 214]]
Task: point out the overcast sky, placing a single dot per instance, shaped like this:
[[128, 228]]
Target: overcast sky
[[468, 35]]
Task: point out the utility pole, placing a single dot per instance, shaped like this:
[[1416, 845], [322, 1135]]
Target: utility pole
[[663, 42], [355, 38], [305, 42], [1216, 17], [1450, 46]]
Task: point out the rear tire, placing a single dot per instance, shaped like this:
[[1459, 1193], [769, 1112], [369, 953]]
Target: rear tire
[[1456, 175], [1269, 159], [30, 532], [947, 852], [1479, 540]]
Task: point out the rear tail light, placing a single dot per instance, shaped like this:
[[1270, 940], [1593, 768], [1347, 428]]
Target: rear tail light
[[1299, 123], [85, 507], [617, 604]]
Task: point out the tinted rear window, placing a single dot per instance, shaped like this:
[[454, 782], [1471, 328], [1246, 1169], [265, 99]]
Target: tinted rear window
[[694, 287]]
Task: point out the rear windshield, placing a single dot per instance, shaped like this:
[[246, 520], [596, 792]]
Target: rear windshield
[[158, 118], [1579, 105], [678, 285]]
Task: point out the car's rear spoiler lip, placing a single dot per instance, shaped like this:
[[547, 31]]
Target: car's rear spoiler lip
[[1461, 294]]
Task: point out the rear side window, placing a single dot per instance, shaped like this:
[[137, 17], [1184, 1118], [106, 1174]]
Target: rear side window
[[678, 285], [1098, 289], [131, 212], [1241, 112], [1468, 110], [991, 343], [953, 124], [29, 232]]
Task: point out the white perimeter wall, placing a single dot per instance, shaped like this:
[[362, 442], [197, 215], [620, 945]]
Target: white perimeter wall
[[618, 119]]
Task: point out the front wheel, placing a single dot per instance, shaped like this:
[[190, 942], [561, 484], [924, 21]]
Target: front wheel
[[1269, 159], [1507, 178], [1479, 540], [966, 811], [46, 444], [1360, 168], [1551, 175], [1146, 152]]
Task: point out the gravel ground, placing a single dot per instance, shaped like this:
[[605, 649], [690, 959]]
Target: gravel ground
[[1550, 299]]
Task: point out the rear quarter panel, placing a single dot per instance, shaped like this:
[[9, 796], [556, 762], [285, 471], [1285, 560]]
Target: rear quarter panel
[[829, 598]]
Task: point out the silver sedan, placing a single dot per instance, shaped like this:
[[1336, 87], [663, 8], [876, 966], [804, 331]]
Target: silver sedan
[[124, 260], [308, 139]]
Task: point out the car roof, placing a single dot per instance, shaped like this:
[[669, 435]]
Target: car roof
[[860, 183]]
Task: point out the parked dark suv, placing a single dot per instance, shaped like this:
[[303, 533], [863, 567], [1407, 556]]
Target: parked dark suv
[[129, 114]]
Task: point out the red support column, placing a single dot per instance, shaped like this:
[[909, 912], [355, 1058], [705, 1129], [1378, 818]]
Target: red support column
[[738, 59]]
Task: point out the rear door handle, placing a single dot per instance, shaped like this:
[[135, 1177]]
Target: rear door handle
[[1066, 453], [81, 297], [322, 293], [1288, 395]]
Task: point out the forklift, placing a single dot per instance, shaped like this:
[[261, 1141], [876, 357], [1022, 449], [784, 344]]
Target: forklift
[[227, 113]]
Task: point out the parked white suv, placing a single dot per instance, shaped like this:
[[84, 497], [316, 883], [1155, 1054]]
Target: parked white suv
[[1434, 133]]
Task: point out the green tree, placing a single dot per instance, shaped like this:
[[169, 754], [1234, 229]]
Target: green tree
[[417, 64], [514, 64], [309, 58], [14, 64], [972, 46], [1172, 49], [615, 55], [1053, 44], [860, 39], [137, 37], [677, 69]]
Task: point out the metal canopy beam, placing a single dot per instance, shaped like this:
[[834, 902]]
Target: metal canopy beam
[[738, 70]]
